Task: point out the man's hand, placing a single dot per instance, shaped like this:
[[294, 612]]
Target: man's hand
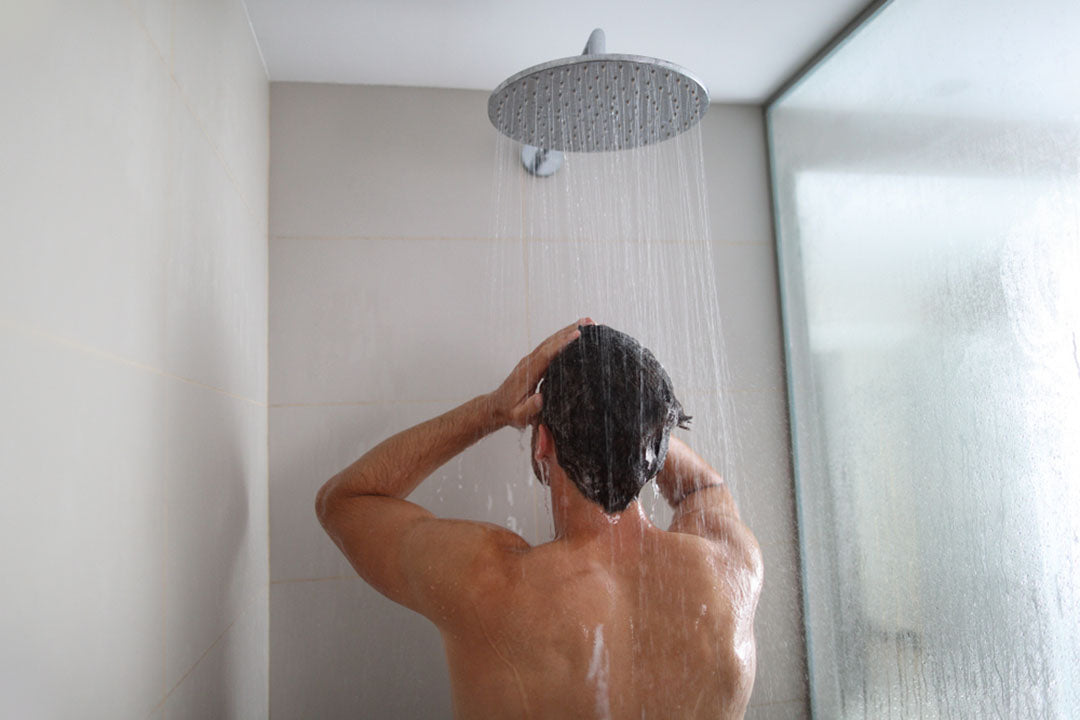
[[516, 401]]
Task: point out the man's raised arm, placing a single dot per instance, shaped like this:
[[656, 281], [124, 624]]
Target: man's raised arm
[[702, 502], [400, 548], [394, 467]]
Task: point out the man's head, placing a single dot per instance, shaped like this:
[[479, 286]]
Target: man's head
[[609, 407]]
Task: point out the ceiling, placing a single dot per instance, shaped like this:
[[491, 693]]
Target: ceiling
[[743, 50]]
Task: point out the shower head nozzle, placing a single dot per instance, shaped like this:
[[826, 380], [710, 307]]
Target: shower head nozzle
[[598, 101]]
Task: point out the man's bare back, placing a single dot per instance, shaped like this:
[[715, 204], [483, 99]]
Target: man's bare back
[[615, 618], [660, 628]]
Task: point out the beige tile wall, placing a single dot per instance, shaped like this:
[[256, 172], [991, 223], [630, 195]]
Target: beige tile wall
[[133, 369], [398, 289]]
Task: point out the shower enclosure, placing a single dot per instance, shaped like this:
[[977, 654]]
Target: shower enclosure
[[927, 194]]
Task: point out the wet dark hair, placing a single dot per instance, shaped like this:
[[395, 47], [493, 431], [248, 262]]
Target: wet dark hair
[[610, 408]]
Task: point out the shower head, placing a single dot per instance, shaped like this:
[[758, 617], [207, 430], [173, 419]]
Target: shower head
[[597, 101]]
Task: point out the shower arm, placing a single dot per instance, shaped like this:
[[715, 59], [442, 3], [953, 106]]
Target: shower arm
[[597, 43]]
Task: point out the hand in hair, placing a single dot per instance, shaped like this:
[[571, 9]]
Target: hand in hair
[[516, 402]]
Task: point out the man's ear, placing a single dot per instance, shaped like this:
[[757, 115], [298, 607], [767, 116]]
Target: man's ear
[[544, 444]]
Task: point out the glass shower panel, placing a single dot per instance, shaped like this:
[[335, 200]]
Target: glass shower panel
[[927, 185]]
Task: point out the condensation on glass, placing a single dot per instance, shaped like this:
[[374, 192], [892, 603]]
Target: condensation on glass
[[927, 180]]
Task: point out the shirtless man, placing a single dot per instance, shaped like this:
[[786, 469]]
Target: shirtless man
[[614, 618]]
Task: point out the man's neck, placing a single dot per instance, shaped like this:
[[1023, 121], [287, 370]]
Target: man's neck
[[577, 517]]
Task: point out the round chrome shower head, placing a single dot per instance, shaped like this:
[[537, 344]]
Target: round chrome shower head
[[598, 102]]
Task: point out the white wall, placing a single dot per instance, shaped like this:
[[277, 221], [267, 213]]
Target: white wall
[[133, 361], [392, 298]]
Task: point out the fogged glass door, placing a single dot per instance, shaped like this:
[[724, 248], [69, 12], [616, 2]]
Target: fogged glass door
[[927, 182]]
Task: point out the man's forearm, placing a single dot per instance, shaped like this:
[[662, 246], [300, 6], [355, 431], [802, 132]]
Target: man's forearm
[[394, 467], [684, 472]]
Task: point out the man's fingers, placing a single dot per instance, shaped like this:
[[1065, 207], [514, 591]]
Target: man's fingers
[[528, 409], [546, 351], [551, 347], [558, 339], [536, 363]]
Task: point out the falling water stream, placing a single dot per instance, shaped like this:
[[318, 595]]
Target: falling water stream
[[623, 237]]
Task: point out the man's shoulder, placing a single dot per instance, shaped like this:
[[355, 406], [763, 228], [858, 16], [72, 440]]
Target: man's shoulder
[[722, 533], [734, 550]]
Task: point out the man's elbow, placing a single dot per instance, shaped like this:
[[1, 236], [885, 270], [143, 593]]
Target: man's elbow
[[338, 492], [324, 502]]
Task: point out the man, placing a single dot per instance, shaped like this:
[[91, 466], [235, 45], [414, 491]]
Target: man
[[614, 618]]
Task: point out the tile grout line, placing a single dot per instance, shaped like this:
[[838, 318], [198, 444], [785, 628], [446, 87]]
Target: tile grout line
[[776, 702], [267, 396], [119, 359], [290, 581], [747, 390], [164, 601], [255, 38], [217, 151], [365, 403], [395, 238], [194, 665], [172, 37], [171, 138], [201, 657], [495, 238], [744, 390], [275, 406], [170, 63]]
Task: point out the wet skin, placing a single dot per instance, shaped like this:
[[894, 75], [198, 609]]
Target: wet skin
[[614, 618]]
